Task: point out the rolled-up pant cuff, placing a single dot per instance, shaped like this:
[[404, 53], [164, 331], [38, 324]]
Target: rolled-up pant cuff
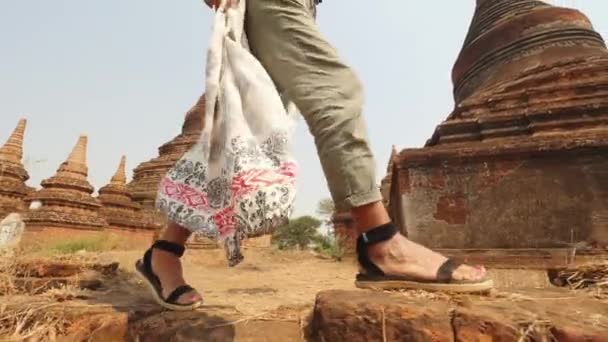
[[358, 200]]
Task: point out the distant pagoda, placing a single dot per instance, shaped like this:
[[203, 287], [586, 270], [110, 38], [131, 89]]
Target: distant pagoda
[[12, 173], [66, 197], [147, 175], [118, 208]]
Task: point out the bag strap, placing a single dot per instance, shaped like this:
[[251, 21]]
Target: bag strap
[[236, 20], [228, 21]]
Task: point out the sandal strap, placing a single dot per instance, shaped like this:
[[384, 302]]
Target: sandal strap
[[378, 234], [180, 290], [171, 247], [446, 270], [370, 238]]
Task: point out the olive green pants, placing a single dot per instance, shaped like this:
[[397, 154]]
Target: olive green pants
[[306, 69]]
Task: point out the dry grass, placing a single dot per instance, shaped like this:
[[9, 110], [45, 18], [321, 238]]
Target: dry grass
[[8, 267], [536, 330], [592, 277], [30, 321]]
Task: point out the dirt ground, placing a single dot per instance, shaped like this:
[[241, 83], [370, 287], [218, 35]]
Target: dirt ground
[[271, 291], [268, 279], [265, 280]]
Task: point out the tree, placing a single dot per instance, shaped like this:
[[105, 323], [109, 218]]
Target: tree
[[300, 232], [326, 208]]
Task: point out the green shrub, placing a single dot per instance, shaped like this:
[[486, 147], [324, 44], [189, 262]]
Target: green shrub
[[298, 233], [329, 246]]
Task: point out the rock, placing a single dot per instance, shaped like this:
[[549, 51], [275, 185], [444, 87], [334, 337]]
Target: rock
[[117, 319], [38, 276], [54, 268], [364, 316], [569, 334], [11, 230], [109, 327], [545, 315], [213, 324], [89, 281]]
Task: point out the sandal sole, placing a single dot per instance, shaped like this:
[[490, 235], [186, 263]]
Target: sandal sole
[[483, 286], [160, 301]]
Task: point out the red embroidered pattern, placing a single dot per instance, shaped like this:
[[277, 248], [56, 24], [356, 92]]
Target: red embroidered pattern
[[242, 184], [224, 220], [184, 194]]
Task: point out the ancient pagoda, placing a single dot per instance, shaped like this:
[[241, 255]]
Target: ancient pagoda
[[12, 173], [66, 197], [118, 208], [147, 175], [522, 161]]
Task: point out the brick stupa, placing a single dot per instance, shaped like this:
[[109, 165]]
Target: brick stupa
[[522, 161], [118, 208], [66, 197], [12, 173], [147, 175]]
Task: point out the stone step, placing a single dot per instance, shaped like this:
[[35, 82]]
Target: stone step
[[526, 315], [129, 320]]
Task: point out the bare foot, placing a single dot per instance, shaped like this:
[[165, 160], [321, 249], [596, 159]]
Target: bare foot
[[168, 268], [402, 257]]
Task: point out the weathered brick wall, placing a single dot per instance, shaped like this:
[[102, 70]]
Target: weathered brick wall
[[521, 202]]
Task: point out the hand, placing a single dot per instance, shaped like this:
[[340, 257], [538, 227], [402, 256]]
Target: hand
[[215, 4], [212, 3]]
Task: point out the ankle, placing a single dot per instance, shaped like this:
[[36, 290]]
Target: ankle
[[160, 254], [369, 216], [175, 234]]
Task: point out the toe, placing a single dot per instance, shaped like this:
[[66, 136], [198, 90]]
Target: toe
[[190, 298], [466, 272]]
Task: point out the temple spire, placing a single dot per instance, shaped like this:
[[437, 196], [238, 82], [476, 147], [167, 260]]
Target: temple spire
[[12, 150], [118, 208], [76, 163], [66, 197], [79, 152], [120, 177]]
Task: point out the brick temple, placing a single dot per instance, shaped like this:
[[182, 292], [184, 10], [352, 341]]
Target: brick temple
[[522, 161], [67, 197], [66, 204], [12, 173], [118, 207], [147, 175], [68, 207]]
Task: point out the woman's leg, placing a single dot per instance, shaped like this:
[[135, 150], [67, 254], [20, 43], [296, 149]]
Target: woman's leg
[[168, 267], [307, 69]]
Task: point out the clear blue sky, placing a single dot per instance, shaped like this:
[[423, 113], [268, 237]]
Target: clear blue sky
[[124, 72]]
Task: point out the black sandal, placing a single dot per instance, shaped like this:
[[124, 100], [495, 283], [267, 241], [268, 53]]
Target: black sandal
[[372, 277], [144, 270]]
